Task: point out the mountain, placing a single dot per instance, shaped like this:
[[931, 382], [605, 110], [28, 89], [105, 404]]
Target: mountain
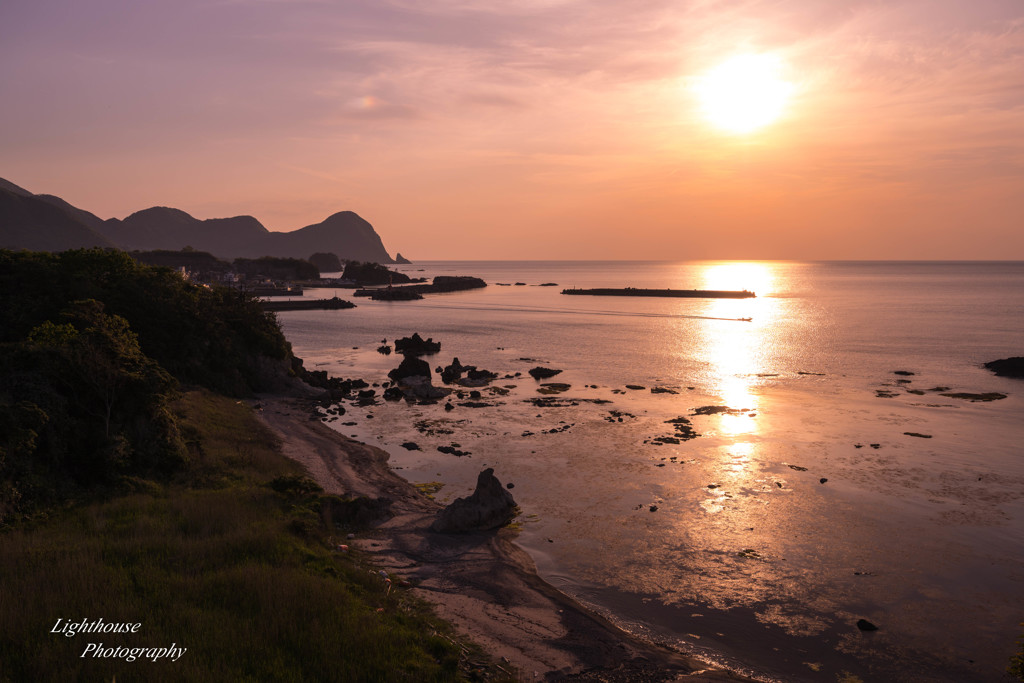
[[344, 233], [11, 187], [30, 222], [24, 224], [164, 228]]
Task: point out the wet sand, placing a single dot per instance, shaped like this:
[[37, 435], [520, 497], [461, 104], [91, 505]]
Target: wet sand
[[483, 584]]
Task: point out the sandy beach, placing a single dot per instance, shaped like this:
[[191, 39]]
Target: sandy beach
[[482, 583]]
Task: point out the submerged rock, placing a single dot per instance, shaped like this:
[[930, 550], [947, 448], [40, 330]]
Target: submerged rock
[[990, 396], [543, 373], [491, 506], [1007, 367]]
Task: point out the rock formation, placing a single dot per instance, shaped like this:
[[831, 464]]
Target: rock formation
[[411, 366], [417, 346], [453, 374], [491, 506]]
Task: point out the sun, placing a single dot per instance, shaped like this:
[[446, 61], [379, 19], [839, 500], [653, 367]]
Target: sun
[[744, 93]]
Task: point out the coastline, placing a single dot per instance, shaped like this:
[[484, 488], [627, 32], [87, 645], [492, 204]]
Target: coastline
[[482, 583]]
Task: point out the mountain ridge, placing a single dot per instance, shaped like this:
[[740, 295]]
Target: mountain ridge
[[45, 222]]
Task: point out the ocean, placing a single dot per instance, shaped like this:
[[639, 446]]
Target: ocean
[[742, 490]]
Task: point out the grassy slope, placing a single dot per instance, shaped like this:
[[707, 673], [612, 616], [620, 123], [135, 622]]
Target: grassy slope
[[219, 563]]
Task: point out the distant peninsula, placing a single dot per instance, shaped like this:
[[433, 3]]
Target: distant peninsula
[[42, 222]]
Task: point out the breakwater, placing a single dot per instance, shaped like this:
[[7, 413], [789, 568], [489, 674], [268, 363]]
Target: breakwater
[[681, 293], [331, 304], [440, 285]]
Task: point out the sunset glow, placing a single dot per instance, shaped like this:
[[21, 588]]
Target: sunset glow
[[744, 93], [477, 130]]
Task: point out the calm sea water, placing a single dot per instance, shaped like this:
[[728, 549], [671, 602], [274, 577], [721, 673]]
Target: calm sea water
[[832, 489]]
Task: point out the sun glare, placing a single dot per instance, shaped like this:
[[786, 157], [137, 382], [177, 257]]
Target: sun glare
[[744, 93]]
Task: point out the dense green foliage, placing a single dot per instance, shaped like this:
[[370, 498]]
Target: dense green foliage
[[326, 263], [204, 263], [219, 338], [277, 268], [123, 498], [373, 274], [240, 572], [92, 348]]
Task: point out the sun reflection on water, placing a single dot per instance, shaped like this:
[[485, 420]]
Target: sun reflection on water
[[735, 350]]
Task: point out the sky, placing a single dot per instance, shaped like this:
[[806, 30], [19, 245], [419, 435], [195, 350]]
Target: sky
[[535, 129]]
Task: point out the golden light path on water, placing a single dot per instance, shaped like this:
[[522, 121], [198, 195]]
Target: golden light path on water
[[734, 353]]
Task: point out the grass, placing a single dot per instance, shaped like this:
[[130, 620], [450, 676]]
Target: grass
[[219, 562]]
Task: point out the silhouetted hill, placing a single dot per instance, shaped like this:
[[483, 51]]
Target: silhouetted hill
[[161, 227], [344, 233], [11, 187], [30, 222]]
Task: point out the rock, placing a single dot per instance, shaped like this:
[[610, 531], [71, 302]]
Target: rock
[[491, 506], [393, 394], [417, 346], [1007, 367], [823, 480], [865, 625], [918, 435], [663, 390], [453, 450], [718, 410], [904, 373], [477, 378], [411, 366], [411, 446], [419, 387], [543, 373], [990, 396], [453, 374], [385, 349], [635, 387]]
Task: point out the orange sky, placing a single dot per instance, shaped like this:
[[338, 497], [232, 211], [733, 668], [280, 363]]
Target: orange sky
[[464, 129]]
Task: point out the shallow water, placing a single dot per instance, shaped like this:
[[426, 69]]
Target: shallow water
[[747, 557]]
